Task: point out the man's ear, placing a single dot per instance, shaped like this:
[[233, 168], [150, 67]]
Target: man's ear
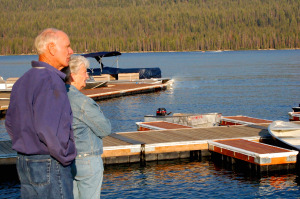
[[52, 48]]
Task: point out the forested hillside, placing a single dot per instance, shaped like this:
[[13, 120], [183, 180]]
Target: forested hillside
[[152, 25]]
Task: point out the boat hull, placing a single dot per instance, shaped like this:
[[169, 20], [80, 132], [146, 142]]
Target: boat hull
[[191, 120], [294, 116], [286, 132]]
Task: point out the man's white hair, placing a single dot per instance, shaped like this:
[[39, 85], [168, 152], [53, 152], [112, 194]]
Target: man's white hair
[[44, 38]]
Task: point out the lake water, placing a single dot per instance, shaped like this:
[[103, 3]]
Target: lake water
[[262, 84]]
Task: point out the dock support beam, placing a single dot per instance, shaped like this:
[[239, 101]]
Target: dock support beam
[[142, 155]]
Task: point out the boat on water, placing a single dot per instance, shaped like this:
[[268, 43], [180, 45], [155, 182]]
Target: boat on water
[[100, 76], [6, 85], [295, 114], [91, 84], [286, 132], [110, 73], [186, 119]]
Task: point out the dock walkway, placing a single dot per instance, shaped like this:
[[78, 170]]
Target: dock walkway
[[129, 147], [259, 156], [112, 90], [242, 120], [158, 125]]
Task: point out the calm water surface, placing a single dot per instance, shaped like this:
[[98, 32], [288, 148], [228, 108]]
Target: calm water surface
[[262, 84]]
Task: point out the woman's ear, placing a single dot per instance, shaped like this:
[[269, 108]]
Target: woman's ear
[[72, 77]]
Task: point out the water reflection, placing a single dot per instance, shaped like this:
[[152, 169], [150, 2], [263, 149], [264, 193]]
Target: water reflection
[[186, 179], [179, 179], [262, 84], [124, 112]]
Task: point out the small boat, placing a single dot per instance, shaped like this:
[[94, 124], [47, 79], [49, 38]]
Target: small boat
[[286, 132], [94, 84], [295, 114], [116, 73], [6, 85], [191, 120]]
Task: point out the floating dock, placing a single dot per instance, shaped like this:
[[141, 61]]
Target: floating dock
[[242, 120], [262, 157], [159, 125], [112, 90], [193, 143], [143, 146]]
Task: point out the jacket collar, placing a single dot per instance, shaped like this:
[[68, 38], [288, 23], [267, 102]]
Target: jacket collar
[[37, 64]]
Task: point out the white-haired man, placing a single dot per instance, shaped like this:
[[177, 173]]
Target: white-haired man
[[39, 121]]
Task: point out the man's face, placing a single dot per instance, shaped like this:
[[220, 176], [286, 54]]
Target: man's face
[[63, 50], [80, 78]]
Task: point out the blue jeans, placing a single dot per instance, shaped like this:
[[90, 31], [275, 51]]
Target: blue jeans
[[88, 174], [41, 176]]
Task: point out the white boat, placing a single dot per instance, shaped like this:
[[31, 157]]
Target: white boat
[[185, 119], [286, 132], [295, 114], [94, 84], [6, 85]]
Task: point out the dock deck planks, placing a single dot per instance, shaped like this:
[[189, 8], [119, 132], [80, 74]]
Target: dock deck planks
[[255, 153], [111, 91], [117, 90], [194, 134], [128, 144], [158, 125], [242, 120]]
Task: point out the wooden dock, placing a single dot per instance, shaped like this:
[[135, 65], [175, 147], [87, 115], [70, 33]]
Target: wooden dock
[[238, 142], [143, 146], [242, 120], [158, 125], [262, 157], [112, 90], [7, 154], [117, 90]]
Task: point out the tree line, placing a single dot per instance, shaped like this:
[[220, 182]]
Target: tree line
[[152, 25]]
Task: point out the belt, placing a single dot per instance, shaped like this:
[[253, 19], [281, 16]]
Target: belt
[[81, 155]]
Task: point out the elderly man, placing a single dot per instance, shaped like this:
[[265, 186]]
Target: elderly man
[[39, 121]]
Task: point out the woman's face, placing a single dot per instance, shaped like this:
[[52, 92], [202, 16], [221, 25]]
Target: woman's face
[[80, 78]]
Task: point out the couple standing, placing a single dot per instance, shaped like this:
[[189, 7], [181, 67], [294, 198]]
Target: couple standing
[[52, 124]]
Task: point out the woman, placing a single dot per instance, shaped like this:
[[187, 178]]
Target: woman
[[89, 126]]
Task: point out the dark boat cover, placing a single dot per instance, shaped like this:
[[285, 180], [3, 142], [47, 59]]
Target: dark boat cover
[[144, 73]]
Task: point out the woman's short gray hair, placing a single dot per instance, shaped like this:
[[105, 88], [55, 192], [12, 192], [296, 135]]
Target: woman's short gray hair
[[44, 38], [75, 64]]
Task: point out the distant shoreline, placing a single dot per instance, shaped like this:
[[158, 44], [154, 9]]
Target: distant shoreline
[[172, 51]]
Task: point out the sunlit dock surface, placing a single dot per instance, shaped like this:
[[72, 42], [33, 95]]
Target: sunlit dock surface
[[158, 125], [112, 90], [242, 120], [129, 147], [123, 89], [259, 156], [238, 142]]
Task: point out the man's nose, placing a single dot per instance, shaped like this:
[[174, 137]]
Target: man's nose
[[71, 51]]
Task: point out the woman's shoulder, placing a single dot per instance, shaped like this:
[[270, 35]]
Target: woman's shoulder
[[74, 94]]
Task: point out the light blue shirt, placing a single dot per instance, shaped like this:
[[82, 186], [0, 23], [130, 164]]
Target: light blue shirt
[[89, 123]]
